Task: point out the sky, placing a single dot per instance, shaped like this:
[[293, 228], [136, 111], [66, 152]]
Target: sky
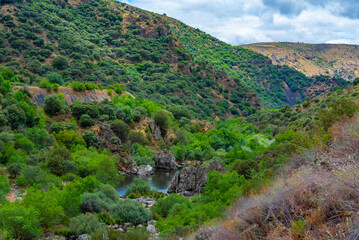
[[240, 22]]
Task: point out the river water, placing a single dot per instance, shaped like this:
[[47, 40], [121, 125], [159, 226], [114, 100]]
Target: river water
[[160, 180]]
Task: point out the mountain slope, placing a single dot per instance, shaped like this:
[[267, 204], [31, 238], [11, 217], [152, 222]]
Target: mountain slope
[[336, 60], [275, 85], [109, 42]]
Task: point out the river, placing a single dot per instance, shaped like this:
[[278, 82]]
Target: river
[[160, 180]]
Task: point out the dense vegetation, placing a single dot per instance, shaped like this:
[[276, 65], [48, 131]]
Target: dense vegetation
[[102, 42], [250, 68], [59, 163]]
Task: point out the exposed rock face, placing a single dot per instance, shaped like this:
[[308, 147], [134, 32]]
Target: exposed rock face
[[165, 160], [127, 166], [155, 130], [145, 170], [108, 138], [191, 180]]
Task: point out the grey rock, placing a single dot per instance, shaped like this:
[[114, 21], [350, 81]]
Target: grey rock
[[191, 180], [151, 229], [126, 225], [145, 170], [203, 236], [165, 160], [155, 130], [127, 166], [84, 237], [105, 134]]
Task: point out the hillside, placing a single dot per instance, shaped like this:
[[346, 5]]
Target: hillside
[[107, 42], [336, 60]]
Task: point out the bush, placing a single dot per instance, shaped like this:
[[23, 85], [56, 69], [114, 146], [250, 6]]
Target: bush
[[85, 224], [80, 108], [137, 137], [244, 167], [95, 202], [121, 129], [90, 139], [130, 211], [69, 138], [161, 119], [15, 116], [164, 205], [19, 221], [14, 170], [60, 162], [138, 185], [86, 121], [78, 86], [55, 78], [60, 62], [4, 188], [52, 105]]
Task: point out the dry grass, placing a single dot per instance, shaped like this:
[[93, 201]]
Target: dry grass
[[316, 197]]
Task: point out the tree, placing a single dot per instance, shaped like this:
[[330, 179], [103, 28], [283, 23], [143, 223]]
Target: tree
[[86, 121], [356, 81], [85, 224], [19, 221], [130, 211], [121, 129], [161, 119], [52, 105], [60, 161], [60, 63], [70, 138], [137, 137], [55, 78], [15, 116], [46, 204]]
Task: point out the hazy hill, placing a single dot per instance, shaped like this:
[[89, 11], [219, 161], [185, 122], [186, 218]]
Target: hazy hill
[[336, 60]]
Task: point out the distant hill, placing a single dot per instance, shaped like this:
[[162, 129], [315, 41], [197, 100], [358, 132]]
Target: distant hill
[[336, 60]]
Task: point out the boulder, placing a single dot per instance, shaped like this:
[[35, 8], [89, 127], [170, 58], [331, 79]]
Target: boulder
[[165, 160], [151, 229], [107, 138], [191, 180], [155, 130], [84, 237], [127, 166], [144, 170]]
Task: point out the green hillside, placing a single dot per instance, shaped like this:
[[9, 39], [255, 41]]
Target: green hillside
[[250, 68], [108, 42]]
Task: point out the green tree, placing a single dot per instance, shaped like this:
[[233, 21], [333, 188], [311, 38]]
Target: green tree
[[130, 211], [20, 221], [86, 121], [161, 119], [52, 105], [121, 129], [46, 204], [55, 78], [70, 138], [60, 63], [60, 161]]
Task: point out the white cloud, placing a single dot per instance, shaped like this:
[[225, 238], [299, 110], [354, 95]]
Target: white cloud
[[242, 21]]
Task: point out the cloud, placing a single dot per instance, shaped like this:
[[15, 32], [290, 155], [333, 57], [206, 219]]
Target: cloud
[[241, 21]]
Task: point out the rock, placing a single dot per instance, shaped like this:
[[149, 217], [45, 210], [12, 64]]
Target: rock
[[127, 166], [107, 138], [155, 130], [121, 230], [145, 170], [115, 226], [191, 180], [203, 236], [151, 229], [126, 225], [165, 160], [139, 225], [84, 237]]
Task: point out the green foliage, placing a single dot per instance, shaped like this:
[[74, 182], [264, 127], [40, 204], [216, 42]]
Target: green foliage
[[86, 121], [85, 224], [14, 170], [46, 204], [60, 63], [137, 137], [164, 205], [69, 138], [121, 129], [19, 221], [55, 78], [161, 119], [90, 139], [130, 211], [138, 185], [60, 161], [4, 188], [52, 105]]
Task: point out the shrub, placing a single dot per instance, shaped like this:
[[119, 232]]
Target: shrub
[[90, 139], [14, 169], [60, 62], [161, 119], [130, 211], [60, 162], [164, 205], [55, 78], [85, 224], [80, 108], [95, 202], [244, 167], [19, 221], [15, 116], [86, 121], [137, 137], [52, 105], [138, 185], [78, 86], [121, 129], [69, 138]]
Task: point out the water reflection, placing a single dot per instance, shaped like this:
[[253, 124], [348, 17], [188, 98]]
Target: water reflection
[[159, 180]]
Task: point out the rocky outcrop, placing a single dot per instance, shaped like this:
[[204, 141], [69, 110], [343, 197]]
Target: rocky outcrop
[[127, 166], [191, 180], [155, 130], [144, 170], [107, 138], [165, 160]]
